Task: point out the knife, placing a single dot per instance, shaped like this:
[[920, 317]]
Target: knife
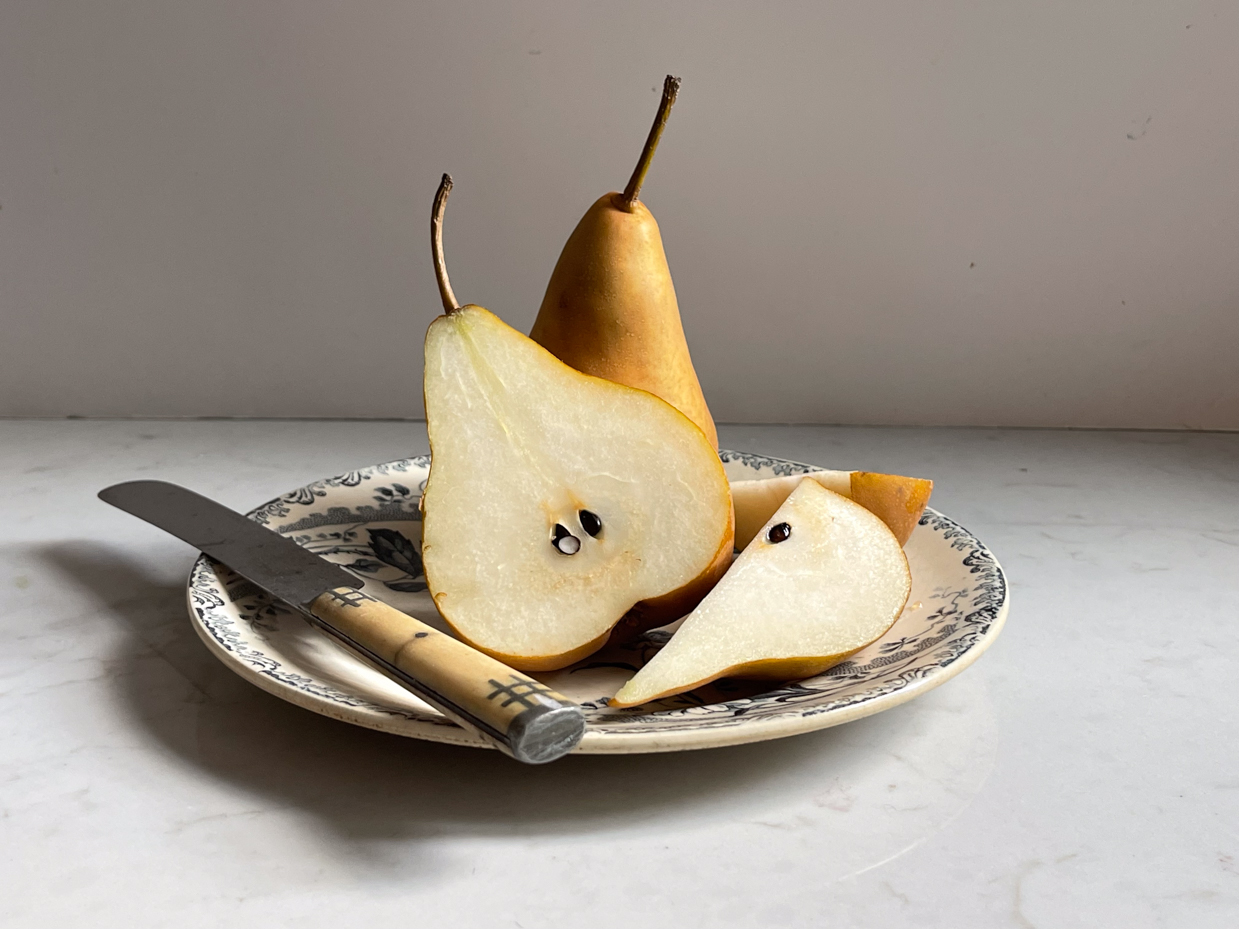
[[522, 717]]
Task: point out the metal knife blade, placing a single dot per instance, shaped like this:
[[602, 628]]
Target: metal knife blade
[[278, 565]]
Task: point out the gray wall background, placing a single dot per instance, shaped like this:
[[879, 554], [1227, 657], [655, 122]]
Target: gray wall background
[[1021, 213]]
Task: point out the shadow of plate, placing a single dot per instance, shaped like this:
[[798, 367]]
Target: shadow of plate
[[371, 789]]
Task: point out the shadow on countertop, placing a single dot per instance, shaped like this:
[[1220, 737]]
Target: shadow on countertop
[[368, 787]]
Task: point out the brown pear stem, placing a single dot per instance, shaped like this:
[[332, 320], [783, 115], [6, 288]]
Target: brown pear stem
[[436, 246], [671, 87]]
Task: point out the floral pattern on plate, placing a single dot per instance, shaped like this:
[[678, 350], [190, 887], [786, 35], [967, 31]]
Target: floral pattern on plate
[[368, 521]]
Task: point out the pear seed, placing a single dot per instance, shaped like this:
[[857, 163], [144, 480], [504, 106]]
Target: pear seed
[[564, 541], [590, 522], [780, 533]]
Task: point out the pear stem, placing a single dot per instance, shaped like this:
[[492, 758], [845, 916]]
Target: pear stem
[[436, 246], [671, 87]]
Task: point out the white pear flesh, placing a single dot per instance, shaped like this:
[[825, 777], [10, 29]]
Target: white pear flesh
[[787, 609], [522, 443]]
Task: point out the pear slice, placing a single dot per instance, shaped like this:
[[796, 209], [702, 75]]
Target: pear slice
[[824, 579], [556, 501], [898, 501]]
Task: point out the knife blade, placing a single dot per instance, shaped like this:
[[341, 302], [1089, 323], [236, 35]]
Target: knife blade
[[521, 716]]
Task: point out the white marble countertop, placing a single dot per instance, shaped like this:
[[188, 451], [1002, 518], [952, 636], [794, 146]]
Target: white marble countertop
[[1084, 773]]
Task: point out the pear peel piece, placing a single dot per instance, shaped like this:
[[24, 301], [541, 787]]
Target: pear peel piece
[[787, 609], [897, 500], [522, 444]]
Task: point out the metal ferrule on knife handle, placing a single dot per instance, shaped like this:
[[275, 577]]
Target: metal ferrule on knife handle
[[522, 716]]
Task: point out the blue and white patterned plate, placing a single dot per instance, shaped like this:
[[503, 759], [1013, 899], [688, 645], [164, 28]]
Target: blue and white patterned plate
[[368, 520]]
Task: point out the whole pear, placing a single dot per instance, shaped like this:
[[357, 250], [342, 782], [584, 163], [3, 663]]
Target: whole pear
[[610, 308]]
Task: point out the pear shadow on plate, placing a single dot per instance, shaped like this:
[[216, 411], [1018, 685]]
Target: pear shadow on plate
[[370, 787]]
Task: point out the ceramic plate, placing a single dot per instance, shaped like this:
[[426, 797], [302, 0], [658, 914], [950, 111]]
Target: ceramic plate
[[368, 521]]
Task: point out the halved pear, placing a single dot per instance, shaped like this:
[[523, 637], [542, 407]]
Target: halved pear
[[897, 500], [824, 579], [556, 501]]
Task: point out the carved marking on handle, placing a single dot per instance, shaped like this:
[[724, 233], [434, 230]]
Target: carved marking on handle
[[349, 597], [519, 691]]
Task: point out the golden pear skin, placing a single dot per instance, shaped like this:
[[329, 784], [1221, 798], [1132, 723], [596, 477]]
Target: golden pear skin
[[610, 308]]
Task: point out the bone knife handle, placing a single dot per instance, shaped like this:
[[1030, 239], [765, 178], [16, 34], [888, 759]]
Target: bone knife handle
[[523, 717]]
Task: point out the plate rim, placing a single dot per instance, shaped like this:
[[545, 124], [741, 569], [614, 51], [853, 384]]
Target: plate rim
[[697, 733]]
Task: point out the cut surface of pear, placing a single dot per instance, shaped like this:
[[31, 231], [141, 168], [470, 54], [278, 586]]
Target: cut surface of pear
[[610, 307], [824, 579], [898, 501], [556, 501]]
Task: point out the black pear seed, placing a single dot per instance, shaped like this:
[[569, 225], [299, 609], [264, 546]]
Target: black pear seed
[[564, 541], [590, 522], [780, 533]]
